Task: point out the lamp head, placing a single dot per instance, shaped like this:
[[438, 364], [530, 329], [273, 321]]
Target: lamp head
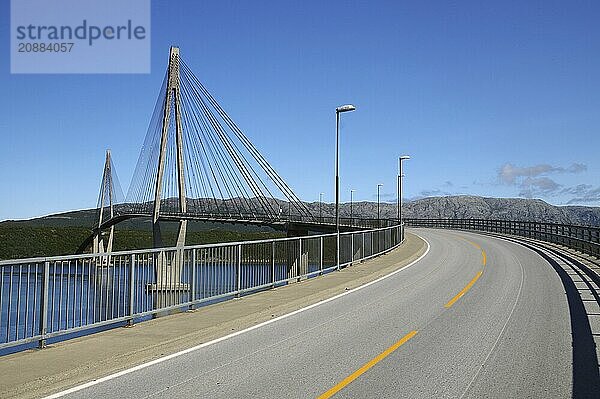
[[345, 108]]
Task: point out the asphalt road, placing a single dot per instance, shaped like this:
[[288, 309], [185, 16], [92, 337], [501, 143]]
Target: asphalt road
[[476, 317]]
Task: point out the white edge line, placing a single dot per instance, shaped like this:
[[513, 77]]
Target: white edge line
[[205, 344]]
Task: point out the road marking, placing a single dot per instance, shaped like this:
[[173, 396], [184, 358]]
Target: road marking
[[197, 347], [483, 254], [464, 290], [367, 366], [512, 310]]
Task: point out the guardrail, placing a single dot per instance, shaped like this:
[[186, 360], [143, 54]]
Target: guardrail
[[581, 238], [372, 223], [345, 221], [45, 298]]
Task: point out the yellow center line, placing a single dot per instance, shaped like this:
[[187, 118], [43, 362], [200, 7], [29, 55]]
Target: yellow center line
[[483, 254], [367, 366], [464, 290]]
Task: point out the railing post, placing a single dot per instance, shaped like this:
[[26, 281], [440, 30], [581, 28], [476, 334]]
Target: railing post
[[239, 271], [193, 280], [337, 250], [299, 264], [44, 305], [273, 262], [363, 246], [131, 290], [385, 239], [351, 249], [374, 243], [321, 256]]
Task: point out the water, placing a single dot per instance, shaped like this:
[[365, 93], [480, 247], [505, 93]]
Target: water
[[82, 295]]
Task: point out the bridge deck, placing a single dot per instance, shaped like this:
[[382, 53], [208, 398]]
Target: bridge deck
[[37, 373]]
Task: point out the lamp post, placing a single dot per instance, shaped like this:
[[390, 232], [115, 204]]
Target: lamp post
[[351, 214], [400, 176], [338, 111], [320, 207], [378, 215]]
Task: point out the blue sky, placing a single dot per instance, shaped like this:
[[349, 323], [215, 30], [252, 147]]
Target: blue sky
[[489, 99]]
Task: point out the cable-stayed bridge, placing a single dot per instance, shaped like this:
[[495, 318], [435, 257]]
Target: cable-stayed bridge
[[197, 164], [492, 308]]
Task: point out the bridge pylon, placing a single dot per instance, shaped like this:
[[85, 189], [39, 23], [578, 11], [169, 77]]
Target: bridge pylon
[[169, 271], [172, 103], [106, 194]]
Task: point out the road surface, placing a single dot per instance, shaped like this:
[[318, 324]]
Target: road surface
[[477, 316]]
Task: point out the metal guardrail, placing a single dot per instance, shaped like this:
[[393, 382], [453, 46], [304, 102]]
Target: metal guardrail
[[581, 238], [357, 222], [373, 223], [43, 298]]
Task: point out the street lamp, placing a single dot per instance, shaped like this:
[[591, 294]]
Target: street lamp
[[320, 207], [338, 111], [400, 176], [351, 214], [378, 187]]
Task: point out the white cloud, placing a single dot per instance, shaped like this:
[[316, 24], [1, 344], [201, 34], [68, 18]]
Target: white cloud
[[511, 174], [534, 180], [531, 186]]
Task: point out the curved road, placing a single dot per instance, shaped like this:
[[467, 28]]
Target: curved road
[[477, 316]]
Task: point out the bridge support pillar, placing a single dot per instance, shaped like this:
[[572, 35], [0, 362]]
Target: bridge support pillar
[[169, 288], [98, 246], [297, 262], [103, 281], [172, 103]]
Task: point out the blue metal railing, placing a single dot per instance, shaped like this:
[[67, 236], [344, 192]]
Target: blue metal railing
[[47, 298], [581, 238]]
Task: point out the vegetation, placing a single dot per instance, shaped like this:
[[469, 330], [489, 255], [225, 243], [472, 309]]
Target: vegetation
[[24, 240], [63, 233], [136, 239]]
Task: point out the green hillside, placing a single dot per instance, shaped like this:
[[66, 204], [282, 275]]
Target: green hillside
[[61, 234]]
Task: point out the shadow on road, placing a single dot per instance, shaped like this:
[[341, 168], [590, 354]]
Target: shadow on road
[[586, 379]]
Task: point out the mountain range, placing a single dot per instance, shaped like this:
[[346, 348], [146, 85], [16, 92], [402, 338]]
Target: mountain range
[[62, 233], [472, 207], [462, 206]]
